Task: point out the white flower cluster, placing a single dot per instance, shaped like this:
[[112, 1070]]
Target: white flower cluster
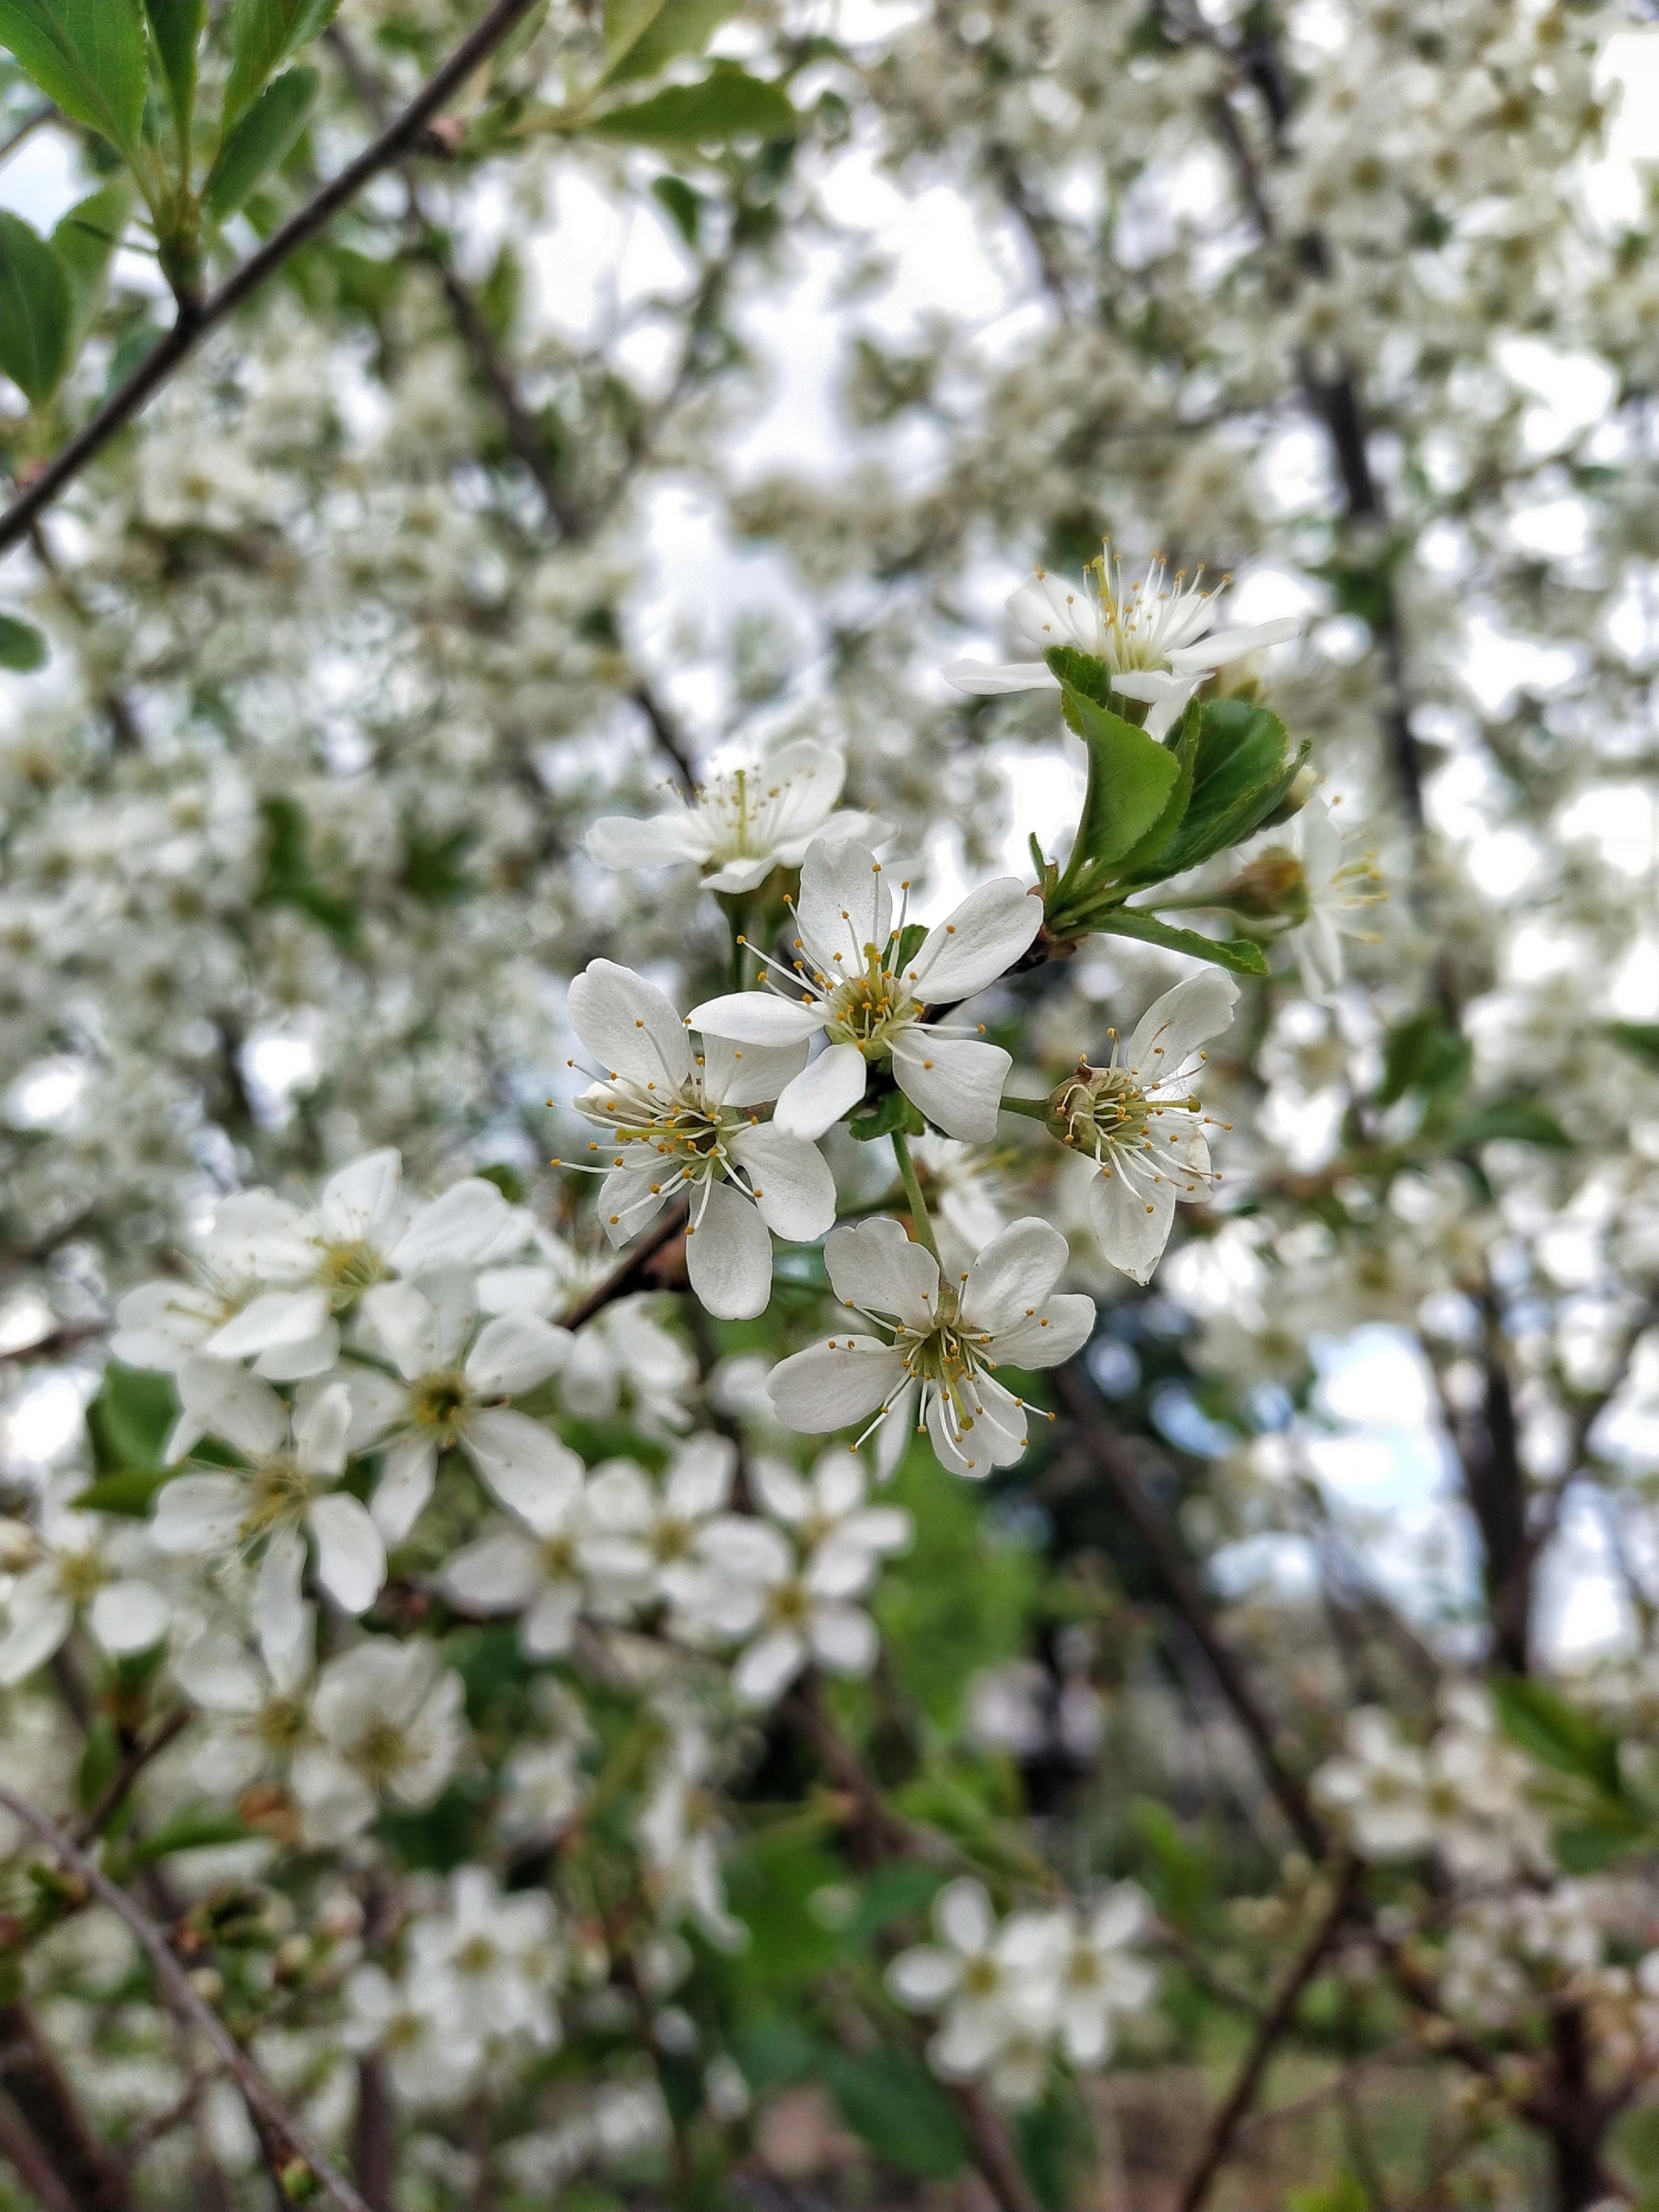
[[1011, 1995]]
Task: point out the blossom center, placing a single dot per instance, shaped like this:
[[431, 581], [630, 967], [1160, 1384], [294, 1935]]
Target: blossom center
[[438, 1401], [347, 1270], [81, 1575], [278, 1492], [865, 1010]]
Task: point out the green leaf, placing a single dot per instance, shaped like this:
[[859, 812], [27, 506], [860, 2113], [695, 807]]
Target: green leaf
[[1514, 1121], [1131, 779], [626, 21], [199, 1828], [1586, 1846], [100, 1757], [88, 55], [1424, 1053], [667, 34], [263, 33], [892, 2102], [891, 1111], [1144, 858], [1243, 765], [260, 141], [729, 103], [433, 870], [775, 2050], [84, 242], [130, 1491], [290, 878], [1641, 1039], [1242, 954], [175, 33], [684, 205], [21, 645], [36, 310], [1558, 1735], [129, 1421]]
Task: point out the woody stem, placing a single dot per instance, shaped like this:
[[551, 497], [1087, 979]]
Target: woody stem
[[913, 1197]]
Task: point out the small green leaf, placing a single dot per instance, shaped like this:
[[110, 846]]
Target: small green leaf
[[99, 1758], [1640, 1039], [197, 1829], [728, 104], [88, 55], [130, 1493], [626, 20], [84, 242], [684, 205], [1240, 954], [21, 645], [260, 141], [892, 2102], [176, 32], [1424, 1053], [35, 311], [1514, 1121], [129, 1421], [1131, 781], [263, 33], [1243, 765], [1557, 1734], [668, 34], [891, 1111]]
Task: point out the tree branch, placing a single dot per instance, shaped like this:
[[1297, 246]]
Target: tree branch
[[193, 325], [631, 1272], [1226, 2126], [31, 2076], [29, 2162], [183, 1994]]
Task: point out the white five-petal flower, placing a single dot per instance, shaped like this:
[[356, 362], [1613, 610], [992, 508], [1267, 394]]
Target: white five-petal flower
[[744, 823], [70, 1563], [856, 985], [1155, 638], [681, 1125], [1338, 892], [1138, 1118], [947, 1340]]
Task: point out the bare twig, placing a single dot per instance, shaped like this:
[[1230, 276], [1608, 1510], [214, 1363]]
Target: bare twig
[[29, 2163], [183, 1994], [631, 1272], [1280, 2015], [193, 324], [31, 2076], [133, 1765]]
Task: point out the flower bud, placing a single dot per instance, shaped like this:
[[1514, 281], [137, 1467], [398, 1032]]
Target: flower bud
[[1274, 886]]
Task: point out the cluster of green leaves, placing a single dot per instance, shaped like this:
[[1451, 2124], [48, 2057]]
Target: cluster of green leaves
[[1152, 810], [1606, 1804]]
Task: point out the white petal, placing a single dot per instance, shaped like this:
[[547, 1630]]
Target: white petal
[[160, 1324], [1060, 1327], [955, 1081], [966, 952], [336, 1801], [990, 680], [848, 822], [758, 1018], [923, 1978], [350, 1556], [741, 875], [277, 1317], [1014, 1274], [1152, 686], [514, 1353], [629, 1026], [454, 1230], [408, 1473], [531, 1472], [793, 1189], [129, 1616], [306, 1357], [844, 1639], [550, 1626], [36, 1625], [226, 1402], [1052, 610], [768, 1667], [376, 1402], [844, 905], [780, 1490], [321, 1428], [829, 1386], [875, 1266], [217, 1674], [199, 1513], [361, 1198], [729, 1255], [620, 1500], [405, 1322], [748, 1075], [1223, 645], [1173, 1027], [276, 1610], [824, 1090], [700, 1477], [533, 1289], [1132, 1220], [963, 1915], [499, 1573], [644, 841]]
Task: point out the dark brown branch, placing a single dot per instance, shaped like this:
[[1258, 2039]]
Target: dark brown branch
[[133, 1765], [1278, 2018], [374, 2135], [29, 2162], [1112, 1456], [184, 1998], [193, 324], [31, 2076], [993, 2149], [631, 1273]]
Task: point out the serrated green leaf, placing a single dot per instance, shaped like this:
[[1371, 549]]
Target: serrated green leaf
[[175, 34], [1144, 860], [728, 104], [1131, 781], [199, 1828], [84, 242], [892, 2102], [667, 34], [1242, 955], [21, 645], [260, 141], [87, 56], [35, 311], [1243, 765], [263, 33], [1557, 1734]]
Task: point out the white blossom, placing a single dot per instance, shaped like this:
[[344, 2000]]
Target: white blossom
[[1338, 892], [69, 1565], [389, 1726]]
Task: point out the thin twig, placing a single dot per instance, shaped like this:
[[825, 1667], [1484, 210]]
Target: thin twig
[[629, 1275], [192, 325], [29, 2162], [1278, 2018], [183, 1995], [31, 122], [133, 1765]]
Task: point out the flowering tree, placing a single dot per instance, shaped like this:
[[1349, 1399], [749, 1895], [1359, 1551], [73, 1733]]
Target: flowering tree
[[668, 1493]]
